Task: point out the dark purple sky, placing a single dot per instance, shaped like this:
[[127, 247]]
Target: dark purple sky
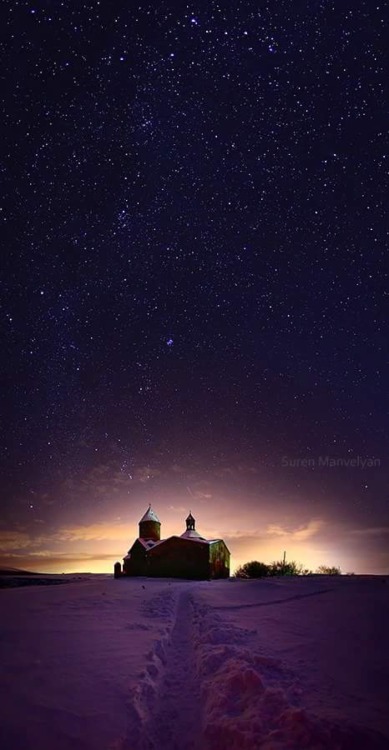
[[195, 289]]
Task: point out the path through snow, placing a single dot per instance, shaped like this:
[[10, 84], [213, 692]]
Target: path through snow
[[175, 722]]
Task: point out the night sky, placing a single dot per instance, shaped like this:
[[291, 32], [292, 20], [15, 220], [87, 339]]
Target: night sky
[[194, 285]]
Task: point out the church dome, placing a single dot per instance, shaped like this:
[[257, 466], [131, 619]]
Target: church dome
[[150, 515], [150, 526]]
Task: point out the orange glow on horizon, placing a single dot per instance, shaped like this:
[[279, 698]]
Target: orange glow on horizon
[[250, 534]]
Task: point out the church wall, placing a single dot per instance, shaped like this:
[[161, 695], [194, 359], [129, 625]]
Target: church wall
[[179, 558], [137, 564], [219, 560]]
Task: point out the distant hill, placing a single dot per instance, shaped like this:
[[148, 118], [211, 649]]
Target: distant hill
[[18, 572]]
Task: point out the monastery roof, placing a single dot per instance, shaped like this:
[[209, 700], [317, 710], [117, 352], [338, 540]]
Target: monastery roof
[[150, 515], [148, 543], [189, 536], [196, 538], [192, 534]]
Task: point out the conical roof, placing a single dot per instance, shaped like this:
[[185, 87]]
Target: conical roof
[[150, 515]]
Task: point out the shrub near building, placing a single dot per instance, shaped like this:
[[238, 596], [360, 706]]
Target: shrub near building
[[255, 569]]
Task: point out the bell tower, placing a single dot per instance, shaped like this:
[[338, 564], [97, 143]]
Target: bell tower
[[190, 522], [150, 526]]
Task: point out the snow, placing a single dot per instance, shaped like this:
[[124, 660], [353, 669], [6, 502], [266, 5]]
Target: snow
[[150, 515], [192, 534], [146, 543], [142, 664]]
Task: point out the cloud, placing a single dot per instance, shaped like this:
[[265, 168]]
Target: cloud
[[372, 531], [252, 534], [48, 560], [95, 532], [268, 543], [71, 556], [237, 543], [301, 534], [276, 531], [13, 540]]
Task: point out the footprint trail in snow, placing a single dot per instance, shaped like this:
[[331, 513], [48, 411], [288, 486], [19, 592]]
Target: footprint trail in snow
[[175, 723]]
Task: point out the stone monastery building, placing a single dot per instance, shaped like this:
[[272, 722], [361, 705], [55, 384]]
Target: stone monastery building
[[186, 556]]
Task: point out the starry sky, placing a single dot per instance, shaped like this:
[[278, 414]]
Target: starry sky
[[194, 283]]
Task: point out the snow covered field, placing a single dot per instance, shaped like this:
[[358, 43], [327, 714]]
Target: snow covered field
[[104, 664]]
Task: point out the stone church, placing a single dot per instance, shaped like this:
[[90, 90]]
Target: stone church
[[186, 556]]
